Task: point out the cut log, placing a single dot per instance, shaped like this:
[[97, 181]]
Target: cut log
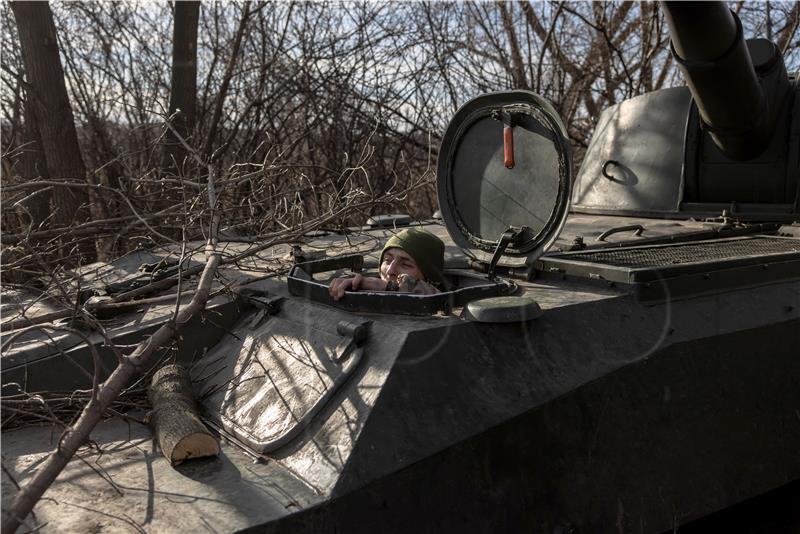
[[174, 420]]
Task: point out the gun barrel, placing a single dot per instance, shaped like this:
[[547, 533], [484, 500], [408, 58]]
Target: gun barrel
[[709, 47]]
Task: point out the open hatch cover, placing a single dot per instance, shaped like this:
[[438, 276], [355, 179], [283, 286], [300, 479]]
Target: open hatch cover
[[504, 177]]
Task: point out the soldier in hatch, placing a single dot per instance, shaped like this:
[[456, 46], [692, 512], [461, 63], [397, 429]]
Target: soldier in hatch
[[411, 262]]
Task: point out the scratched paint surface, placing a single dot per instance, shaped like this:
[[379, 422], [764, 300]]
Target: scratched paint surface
[[277, 377]]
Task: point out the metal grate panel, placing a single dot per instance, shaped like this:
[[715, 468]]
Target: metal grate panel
[[688, 253]]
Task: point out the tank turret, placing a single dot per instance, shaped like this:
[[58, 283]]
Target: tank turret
[[727, 143], [738, 85]]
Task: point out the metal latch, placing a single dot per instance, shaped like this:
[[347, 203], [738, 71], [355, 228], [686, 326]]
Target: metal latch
[[354, 333], [510, 236], [725, 220]]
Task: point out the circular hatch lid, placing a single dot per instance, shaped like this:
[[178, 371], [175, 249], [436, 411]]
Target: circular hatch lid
[[504, 175]]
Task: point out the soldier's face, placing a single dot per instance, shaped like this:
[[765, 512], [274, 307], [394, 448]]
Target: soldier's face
[[397, 261]]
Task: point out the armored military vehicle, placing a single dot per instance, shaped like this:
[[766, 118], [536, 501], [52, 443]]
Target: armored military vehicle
[[629, 363]]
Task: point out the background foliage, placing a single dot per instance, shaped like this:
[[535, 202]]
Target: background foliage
[[300, 104]]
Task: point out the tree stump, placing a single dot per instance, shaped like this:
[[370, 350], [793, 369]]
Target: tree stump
[[174, 420]]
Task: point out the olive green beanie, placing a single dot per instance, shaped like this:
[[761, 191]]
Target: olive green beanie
[[426, 249]]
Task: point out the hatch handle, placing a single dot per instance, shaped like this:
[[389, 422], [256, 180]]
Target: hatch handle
[[611, 231], [512, 235], [507, 119], [354, 334], [605, 172]]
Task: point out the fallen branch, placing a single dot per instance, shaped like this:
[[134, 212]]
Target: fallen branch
[[96, 309], [39, 319], [61, 407], [174, 419], [74, 437]]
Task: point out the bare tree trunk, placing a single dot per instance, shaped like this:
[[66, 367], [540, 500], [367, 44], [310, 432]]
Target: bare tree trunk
[[33, 165], [50, 103], [183, 89]]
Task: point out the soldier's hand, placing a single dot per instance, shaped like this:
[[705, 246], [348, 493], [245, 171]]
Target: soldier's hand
[[339, 286], [356, 283]]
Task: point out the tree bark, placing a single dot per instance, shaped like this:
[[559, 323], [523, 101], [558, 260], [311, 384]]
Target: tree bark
[[183, 87], [174, 419], [50, 104], [33, 165]]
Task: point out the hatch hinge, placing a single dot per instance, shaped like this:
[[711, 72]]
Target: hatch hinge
[[509, 237], [265, 302]]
